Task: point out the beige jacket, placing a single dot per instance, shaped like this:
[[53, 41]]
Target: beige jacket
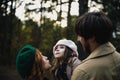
[[102, 64]]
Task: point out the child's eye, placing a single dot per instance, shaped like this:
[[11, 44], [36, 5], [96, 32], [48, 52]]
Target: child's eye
[[61, 47]]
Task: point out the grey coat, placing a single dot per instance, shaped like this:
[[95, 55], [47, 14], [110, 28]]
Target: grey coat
[[70, 69], [102, 64]]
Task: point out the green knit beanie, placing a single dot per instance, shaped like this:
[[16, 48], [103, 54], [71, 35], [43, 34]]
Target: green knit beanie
[[25, 60]]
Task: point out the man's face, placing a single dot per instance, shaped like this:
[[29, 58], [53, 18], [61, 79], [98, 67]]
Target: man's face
[[85, 44], [59, 51]]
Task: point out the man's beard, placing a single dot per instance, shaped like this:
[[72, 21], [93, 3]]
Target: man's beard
[[87, 48]]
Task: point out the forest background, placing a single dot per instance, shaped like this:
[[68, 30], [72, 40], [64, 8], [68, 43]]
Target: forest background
[[45, 32]]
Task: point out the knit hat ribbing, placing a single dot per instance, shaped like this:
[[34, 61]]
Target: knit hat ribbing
[[25, 60]]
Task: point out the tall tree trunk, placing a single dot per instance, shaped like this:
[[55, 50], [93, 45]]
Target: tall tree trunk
[[69, 30], [83, 6], [8, 29]]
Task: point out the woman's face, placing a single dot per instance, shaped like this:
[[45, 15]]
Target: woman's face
[[47, 64], [59, 51]]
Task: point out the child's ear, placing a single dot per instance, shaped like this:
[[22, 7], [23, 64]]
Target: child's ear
[[73, 53]]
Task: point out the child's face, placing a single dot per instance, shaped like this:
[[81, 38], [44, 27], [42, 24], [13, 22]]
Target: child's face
[[59, 51]]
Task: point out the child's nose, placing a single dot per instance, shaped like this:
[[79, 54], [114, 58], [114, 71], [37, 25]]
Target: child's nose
[[57, 49]]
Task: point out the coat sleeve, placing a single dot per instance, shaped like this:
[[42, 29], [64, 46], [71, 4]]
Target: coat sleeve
[[79, 75]]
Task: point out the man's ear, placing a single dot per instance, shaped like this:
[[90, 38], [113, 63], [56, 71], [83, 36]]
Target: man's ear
[[92, 39], [93, 43]]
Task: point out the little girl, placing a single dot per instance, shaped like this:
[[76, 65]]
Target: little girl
[[65, 59]]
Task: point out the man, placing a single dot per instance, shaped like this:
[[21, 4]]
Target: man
[[94, 30]]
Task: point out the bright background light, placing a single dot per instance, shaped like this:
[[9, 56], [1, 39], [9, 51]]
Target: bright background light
[[20, 12]]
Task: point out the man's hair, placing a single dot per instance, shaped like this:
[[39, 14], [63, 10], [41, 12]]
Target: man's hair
[[95, 24]]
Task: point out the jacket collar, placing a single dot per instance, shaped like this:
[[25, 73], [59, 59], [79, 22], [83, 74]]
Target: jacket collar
[[104, 49]]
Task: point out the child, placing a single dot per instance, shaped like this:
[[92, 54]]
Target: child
[[31, 64], [65, 59]]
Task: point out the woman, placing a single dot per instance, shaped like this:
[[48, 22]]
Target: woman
[[65, 59], [31, 64]]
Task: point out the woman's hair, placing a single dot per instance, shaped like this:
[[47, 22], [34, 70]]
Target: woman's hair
[[66, 59], [38, 67]]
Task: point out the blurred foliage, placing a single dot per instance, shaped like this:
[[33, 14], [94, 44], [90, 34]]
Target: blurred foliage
[[15, 33]]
